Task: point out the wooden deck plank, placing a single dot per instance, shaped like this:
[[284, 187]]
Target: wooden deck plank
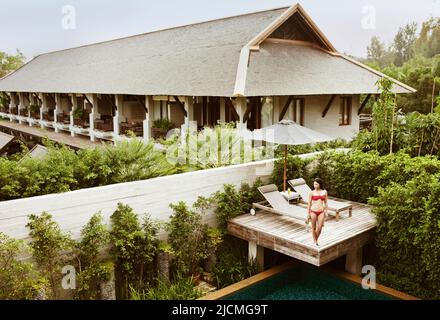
[[287, 236]]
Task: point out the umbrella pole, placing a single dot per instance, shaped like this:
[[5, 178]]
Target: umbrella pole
[[285, 168]]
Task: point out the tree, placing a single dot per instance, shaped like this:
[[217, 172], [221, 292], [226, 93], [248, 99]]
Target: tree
[[404, 42], [18, 279], [9, 63], [378, 54]]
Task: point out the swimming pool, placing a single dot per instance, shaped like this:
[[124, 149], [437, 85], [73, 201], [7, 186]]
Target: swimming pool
[[303, 282]]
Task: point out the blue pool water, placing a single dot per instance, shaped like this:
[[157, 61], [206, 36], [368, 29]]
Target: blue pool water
[[305, 283]]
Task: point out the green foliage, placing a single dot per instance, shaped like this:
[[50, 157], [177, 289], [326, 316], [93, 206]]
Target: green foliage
[[384, 115], [231, 202], [415, 133], [309, 148], [182, 288], [296, 168], [408, 235], [187, 237], [79, 114], [18, 279], [9, 63], [133, 248], [33, 108], [135, 160], [163, 124], [232, 264], [63, 169], [49, 245], [215, 147], [92, 272]]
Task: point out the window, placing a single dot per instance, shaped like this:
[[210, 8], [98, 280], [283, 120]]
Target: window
[[345, 111]]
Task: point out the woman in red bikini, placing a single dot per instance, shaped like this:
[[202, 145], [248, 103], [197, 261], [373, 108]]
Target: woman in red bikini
[[317, 208]]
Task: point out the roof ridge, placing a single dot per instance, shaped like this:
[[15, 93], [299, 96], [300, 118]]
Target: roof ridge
[[165, 29]]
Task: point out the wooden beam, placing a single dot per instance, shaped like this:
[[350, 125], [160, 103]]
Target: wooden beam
[[286, 106], [364, 103], [38, 98], [87, 99], [52, 98], [142, 103], [181, 106], [329, 104], [247, 113], [229, 103]]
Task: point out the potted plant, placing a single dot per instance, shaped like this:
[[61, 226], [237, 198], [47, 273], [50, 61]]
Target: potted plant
[[161, 127], [78, 116], [34, 111]]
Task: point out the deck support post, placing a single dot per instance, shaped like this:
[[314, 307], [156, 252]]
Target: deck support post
[[256, 253], [353, 262]]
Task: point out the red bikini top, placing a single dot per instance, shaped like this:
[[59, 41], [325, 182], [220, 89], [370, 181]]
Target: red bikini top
[[318, 197]]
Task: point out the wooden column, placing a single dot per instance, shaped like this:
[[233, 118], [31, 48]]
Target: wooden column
[[256, 253], [276, 109], [353, 262], [55, 111], [43, 108], [119, 115], [240, 107], [147, 122], [222, 110], [74, 106], [190, 124]]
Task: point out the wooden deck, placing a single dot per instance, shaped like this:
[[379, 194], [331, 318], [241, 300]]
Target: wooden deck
[[285, 235], [77, 142]]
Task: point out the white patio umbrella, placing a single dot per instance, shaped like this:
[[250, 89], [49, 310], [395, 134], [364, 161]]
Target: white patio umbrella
[[287, 132]]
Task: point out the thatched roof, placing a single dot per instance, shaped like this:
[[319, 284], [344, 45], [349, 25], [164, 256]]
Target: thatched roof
[[200, 60]]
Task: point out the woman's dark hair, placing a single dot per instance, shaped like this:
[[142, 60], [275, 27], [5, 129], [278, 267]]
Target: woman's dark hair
[[319, 181]]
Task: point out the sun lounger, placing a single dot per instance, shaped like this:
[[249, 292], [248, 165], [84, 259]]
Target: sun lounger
[[276, 203], [300, 186]]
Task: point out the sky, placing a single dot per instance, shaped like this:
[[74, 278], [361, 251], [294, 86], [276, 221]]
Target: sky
[[37, 27]]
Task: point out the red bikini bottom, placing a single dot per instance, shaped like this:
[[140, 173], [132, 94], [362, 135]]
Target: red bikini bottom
[[317, 212]]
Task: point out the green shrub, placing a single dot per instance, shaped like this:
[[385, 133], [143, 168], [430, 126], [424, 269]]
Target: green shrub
[[19, 280], [163, 124], [133, 248], [63, 169], [49, 245], [296, 168], [91, 270], [232, 264], [408, 235], [231, 202], [188, 239], [182, 288]]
